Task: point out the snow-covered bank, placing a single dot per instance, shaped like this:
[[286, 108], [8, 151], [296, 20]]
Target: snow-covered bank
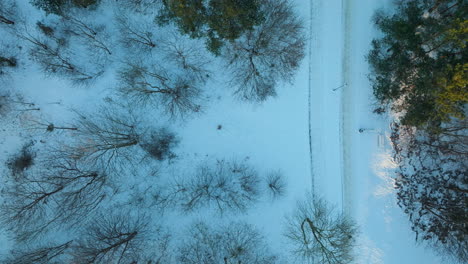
[[386, 236]]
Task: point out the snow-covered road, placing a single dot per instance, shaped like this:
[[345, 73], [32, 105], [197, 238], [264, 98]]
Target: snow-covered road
[[349, 168]]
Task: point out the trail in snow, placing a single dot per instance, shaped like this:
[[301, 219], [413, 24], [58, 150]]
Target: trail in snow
[[325, 75], [312, 38], [346, 112]]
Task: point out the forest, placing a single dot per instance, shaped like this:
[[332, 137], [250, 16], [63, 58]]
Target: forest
[[420, 75], [111, 179], [102, 184]]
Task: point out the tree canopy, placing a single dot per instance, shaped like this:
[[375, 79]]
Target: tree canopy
[[217, 20], [419, 65]]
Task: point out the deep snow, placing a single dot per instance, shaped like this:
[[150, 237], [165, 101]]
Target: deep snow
[[309, 131]]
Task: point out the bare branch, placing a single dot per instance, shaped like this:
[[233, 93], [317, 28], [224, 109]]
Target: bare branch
[[234, 243], [319, 234]]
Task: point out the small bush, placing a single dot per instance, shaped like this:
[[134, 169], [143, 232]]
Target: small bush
[[8, 62], [23, 160], [160, 144], [276, 184]]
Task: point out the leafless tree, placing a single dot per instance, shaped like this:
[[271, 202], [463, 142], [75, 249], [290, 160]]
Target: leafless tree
[[176, 94], [234, 243], [63, 193], [320, 235], [15, 103], [93, 36], [276, 184], [47, 254], [189, 56], [113, 238], [226, 185], [112, 139], [10, 54], [269, 53], [104, 138], [39, 123], [55, 55], [138, 36]]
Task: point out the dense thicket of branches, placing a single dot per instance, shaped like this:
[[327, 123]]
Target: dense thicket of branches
[[432, 186], [234, 243], [64, 192], [113, 238], [176, 94], [269, 53], [225, 185], [44, 254], [111, 137], [57, 56], [319, 234]]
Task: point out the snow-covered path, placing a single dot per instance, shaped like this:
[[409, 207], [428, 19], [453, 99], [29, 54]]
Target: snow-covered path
[[325, 75], [352, 169]]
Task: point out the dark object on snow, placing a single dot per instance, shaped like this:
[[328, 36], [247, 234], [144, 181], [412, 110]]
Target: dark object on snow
[[379, 110], [23, 160]]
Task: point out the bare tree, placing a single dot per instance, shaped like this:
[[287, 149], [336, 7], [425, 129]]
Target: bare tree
[[10, 55], [320, 235], [114, 238], [10, 103], [176, 94], [276, 184], [46, 254], [40, 123], [234, 243], [104, 138], [269, 53], [188, 55], [138, 36], [63, 193], [226, 185], [93, 36], [55, 55], [111, 139]]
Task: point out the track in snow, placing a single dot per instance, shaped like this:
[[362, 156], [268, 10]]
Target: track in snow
[[346, 112], [311, 38]]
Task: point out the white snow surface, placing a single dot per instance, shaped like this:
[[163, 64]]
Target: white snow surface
[[308, 131]]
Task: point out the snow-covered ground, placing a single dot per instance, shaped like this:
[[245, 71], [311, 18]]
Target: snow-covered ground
[[309, 131], [351, 168]]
